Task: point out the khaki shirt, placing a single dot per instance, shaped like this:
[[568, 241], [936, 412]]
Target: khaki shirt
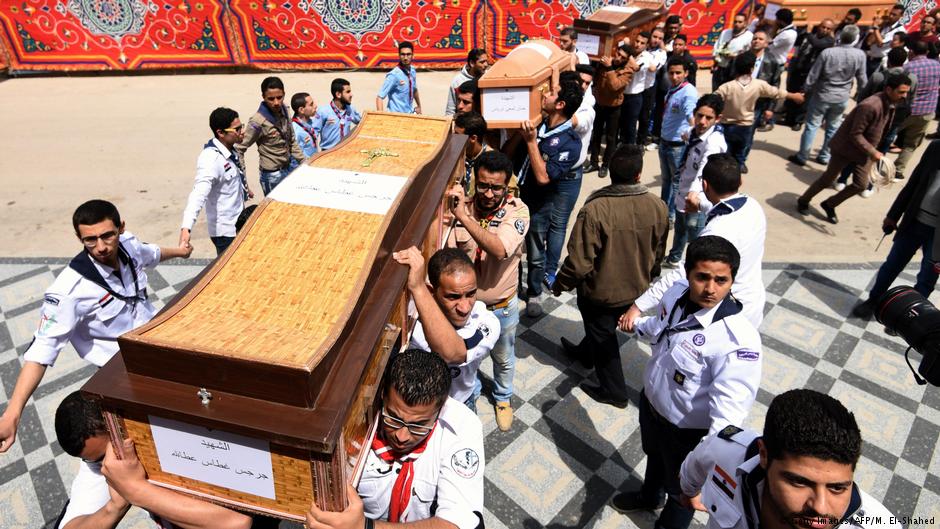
[[274, 150], [496, 278], [741, 98]]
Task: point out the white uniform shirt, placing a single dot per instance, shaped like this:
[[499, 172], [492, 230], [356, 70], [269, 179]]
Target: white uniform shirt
[[638, 83], [480, 334], [585, 115], [705, 367], [89, 493], [219, 188], [449, 471], [690, 173], [78, 311], [582, 57], [732, 484], [780, 47], [659, 60], [741, 220], [728, 46]]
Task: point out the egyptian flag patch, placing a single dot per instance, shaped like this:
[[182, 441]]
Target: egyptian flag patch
[[723, 486], [105, 300]]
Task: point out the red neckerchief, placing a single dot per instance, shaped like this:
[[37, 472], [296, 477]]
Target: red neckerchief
[[340, 119], [407, 73], [485, 223], [670, 93], [401, 491], [308, 129]]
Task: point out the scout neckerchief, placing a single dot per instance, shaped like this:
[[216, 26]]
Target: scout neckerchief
[[543, 133], [233, 157], [341, 119], [82, 264], [401, 491], [407, 73], [672, 91], [485, 223], [308, 129]]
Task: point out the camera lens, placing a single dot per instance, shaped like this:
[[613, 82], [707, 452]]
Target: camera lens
[[903, 310]]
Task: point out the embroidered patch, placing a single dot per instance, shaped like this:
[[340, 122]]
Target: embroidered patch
[[520, 226], [45, 322], [563, 157], [687, 347], [728, 432], [698, 339], [744, 354], [501, 213], [678, 377], [553, 142], [454, 372], [484, 329], [51, 300], [465, 463], [227, 166], [721, 486]]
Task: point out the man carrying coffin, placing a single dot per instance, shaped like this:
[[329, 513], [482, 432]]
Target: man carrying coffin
[[426, 463]]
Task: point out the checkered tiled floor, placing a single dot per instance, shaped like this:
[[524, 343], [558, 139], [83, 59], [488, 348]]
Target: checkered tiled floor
[[566, 455]]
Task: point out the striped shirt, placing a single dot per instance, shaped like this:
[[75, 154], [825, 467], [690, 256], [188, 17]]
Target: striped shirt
[[928, 81]]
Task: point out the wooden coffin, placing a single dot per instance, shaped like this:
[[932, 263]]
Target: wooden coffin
[[809, 13], [600, 34], [511, 90], [255, 387]]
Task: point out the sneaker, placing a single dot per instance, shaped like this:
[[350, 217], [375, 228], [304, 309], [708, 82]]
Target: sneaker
[[548, 280], [598, 394], [864, 310], [503, 416], [821, 161], [767, 127], [867, 193], [533, 307], [796, 127], [602, 172], [670, 264], [627, 502], [802, 208], [839, 186], [830, 213], [795, 158]]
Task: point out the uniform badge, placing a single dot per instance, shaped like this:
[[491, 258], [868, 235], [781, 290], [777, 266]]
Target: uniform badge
[[501, 213], [46, 322], [520, 226], [465, 463], [454, 372], [563, 157], [728, 432], [401, 83], [51, 300], [544, 157], [748, 355], [678, 377], [554, 142], [699, 339], [484, 329]]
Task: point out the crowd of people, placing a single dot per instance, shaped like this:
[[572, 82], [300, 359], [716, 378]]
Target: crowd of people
[[699, 303]]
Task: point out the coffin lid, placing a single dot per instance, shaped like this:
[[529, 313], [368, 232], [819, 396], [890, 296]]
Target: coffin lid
[[528, 64]]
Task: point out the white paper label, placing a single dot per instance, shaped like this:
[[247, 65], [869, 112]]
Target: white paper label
[[510, 104], [590, 44], [215, 457], [338, 189]]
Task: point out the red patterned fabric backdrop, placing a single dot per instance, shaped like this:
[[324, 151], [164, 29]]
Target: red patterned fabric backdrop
[[305, 34]]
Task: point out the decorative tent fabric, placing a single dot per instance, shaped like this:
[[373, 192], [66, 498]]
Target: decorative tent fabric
[[63, 35]]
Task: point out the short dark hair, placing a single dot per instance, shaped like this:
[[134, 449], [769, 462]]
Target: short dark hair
[[472, 123], [626, 164], [570, 76], [298, 100], [855, 12], [681, 36], [629, 50], [722, 173], [572, 95], [469, 87], [898, 79], [419, 377], [475, 54], [902, 36], [447, 261], [271, 82], [712, 248], [584, 68], [673, 19], [918, 47], [405, 45], [899, 7], [493, 162], [77, 419], [897, 56], [338, 85], [739, 15], [785, 15], [676, 60], [712, 101], [95, 211], [570, 32], [645, 34], [654, 30], [803, 422], [744, 64], [221, 118]]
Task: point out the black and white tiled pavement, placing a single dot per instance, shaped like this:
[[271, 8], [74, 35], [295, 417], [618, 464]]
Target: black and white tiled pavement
[[565, 455]]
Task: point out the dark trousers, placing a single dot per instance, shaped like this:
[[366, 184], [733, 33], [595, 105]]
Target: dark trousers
[[629, 115], [666, 447], [221, 243], [763, 104], [859, 182], [739, 138], [606, 123], [915, 236], [600, 344], [659, 107], [795, 112], [646, 110]]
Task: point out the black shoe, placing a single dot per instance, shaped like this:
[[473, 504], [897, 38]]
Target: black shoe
[[767, 127], [830, 213], [602, 172], [596, 393], [743, 169], [574, 353], [627, 502], [864, 310], [590, 167], [890, 332], [796, 127], [793, 158], [802, 208], [820, 161]]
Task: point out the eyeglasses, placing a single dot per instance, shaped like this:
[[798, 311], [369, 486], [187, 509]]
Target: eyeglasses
[[496, 189], [395, 423], [234, 129], [93, 461], [91, 240]]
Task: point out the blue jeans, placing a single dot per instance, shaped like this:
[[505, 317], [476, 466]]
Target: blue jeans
[[816, 112], [221, 243], [270, 179], [503, 353], [565, 199], [906, 243], [688, 226], [670, 157], [739, 139]]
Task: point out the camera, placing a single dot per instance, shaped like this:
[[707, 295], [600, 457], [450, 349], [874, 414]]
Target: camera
[[906, 312]]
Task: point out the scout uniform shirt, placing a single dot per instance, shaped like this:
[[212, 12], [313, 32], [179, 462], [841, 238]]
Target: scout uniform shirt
[[220, 187], [275, 139], [497, 278], [334, 124], [479, 334], [400, 87], [76, 310], [705, 366], [446, 479], [726, 469], [693, 163], [560, 148]]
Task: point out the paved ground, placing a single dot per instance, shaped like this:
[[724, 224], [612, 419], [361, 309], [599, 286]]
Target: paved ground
[[134, 140]]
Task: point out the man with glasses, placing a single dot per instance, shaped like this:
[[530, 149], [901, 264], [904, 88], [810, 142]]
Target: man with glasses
[[426, 461], [491, 227], [99, 296], [401, 84], [221, 185]]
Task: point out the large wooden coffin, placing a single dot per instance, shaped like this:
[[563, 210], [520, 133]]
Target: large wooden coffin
[[809, 13], [256, 386], [511, 90], [601, 33]]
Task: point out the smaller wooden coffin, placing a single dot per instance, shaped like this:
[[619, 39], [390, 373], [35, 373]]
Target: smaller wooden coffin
[[809, 13], [601, 33], [511, 90]]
